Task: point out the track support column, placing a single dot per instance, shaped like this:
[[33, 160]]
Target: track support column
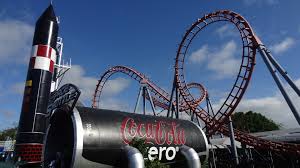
[[232, 140], [171, 98], [265, 54], [138, 100]]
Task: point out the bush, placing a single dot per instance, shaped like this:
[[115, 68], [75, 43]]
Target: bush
[[253, 122], [143, 148], [9, 132]]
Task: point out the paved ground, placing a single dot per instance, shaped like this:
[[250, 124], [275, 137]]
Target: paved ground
[[6, 165]]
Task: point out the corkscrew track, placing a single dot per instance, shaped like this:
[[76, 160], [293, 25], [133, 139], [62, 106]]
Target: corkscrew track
[[217, 122]]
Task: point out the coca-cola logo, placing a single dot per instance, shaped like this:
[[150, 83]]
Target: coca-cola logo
[[156, 132]]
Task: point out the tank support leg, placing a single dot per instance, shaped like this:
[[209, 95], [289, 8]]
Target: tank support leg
[[135, 158], [191, 156]]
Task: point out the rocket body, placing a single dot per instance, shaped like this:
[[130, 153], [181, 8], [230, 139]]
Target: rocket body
[[32, 123]]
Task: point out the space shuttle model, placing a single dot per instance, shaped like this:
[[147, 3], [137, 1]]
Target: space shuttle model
[[32, 123]]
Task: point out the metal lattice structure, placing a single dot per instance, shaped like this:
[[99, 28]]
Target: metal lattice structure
[[187, 103], [244, 74], [160, 96]]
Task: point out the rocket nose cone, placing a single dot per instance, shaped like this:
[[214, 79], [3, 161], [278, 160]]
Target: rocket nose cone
[[48, 14]]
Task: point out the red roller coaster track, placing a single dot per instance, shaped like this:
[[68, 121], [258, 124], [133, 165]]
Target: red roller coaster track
[[217, 122]]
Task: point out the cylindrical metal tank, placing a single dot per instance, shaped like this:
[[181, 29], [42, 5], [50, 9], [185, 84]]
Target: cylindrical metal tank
[[88, 137]]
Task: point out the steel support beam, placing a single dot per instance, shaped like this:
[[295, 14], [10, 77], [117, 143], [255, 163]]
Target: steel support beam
[[263, 53], [282, 72], [177, 103], [232, 140], [171, 98], [151, 101], [144, 100], [138, 100]]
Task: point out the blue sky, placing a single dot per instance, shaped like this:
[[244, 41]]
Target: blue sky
[[144, 35]]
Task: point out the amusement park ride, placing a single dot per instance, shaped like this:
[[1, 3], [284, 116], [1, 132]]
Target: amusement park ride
[[79, 132], [181, 99]]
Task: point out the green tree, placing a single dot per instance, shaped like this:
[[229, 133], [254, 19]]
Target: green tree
[[253, 122], [143, 148], [9, 132]]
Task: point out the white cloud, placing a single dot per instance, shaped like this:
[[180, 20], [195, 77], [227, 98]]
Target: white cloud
[[77, 75], [261, 2], [273, 107], [87, 85], [283, 45], [221, 61], [111, 90], [200, 55], [226, 31], [113, 104], [115, 86], [15, 41]]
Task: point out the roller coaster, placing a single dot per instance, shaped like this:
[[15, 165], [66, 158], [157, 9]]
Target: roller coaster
[[181, 100]]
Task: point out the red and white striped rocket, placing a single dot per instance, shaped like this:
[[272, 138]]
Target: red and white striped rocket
[[32, 123], [43, 57]]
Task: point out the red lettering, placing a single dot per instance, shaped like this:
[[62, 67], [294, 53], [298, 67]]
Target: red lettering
[[159, 132], [183, 140], [139, 130], [123, 130], [131, 129], [171, 135], [149, 132], [160, 135]]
